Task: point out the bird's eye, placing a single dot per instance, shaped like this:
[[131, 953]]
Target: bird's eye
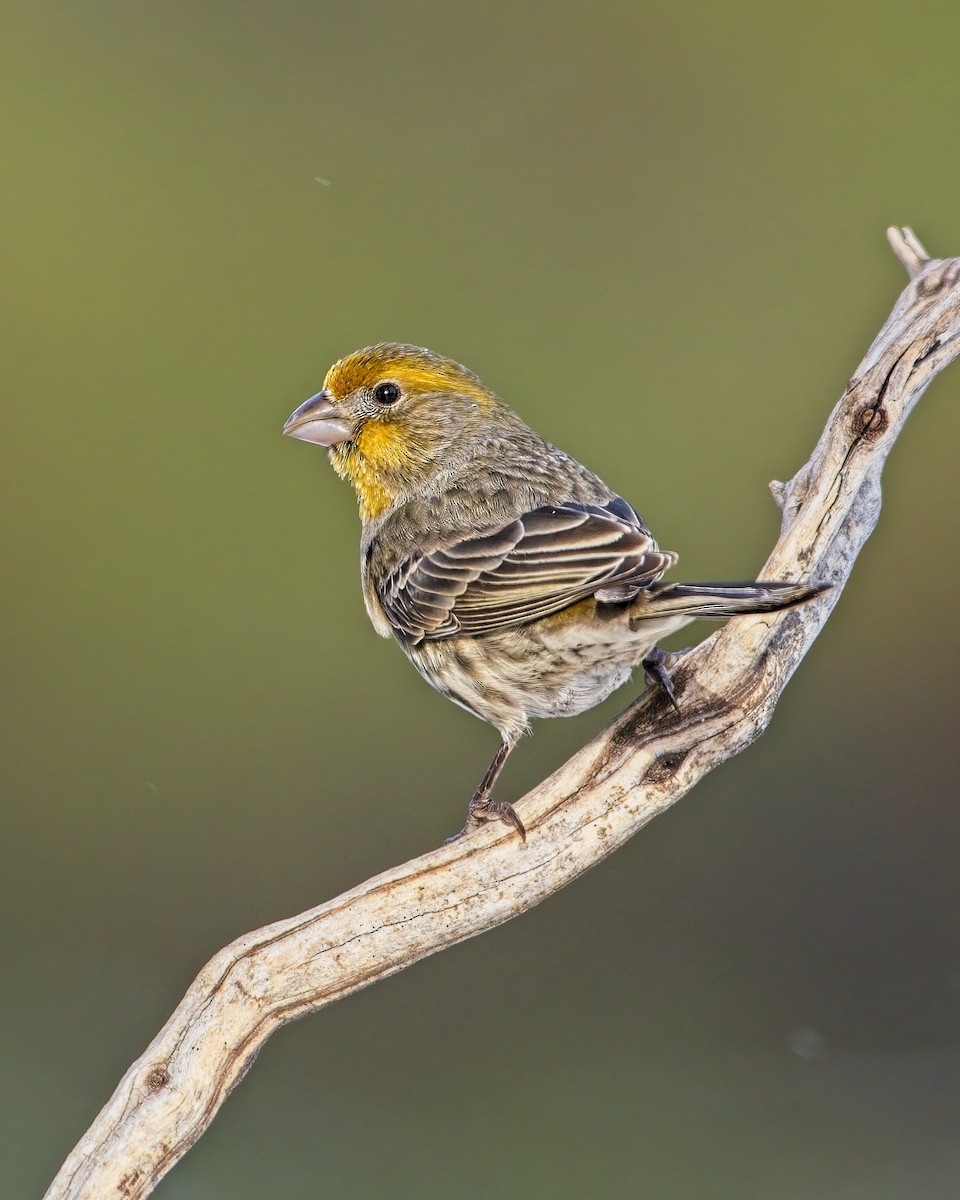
[[386, 393]]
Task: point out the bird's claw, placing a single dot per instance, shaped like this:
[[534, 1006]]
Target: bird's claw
[[482, 811], [656, 674]]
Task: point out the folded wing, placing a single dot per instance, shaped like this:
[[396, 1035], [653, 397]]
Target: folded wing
[[537, 565]]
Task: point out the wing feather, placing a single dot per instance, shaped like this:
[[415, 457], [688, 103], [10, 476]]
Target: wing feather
[[537, 565]]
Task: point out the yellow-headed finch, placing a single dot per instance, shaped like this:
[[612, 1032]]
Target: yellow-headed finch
[[514, 579]]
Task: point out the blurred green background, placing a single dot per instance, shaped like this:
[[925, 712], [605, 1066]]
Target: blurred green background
[[658, 231]]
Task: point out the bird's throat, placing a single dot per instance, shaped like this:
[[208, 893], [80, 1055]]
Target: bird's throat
[[370, 481]]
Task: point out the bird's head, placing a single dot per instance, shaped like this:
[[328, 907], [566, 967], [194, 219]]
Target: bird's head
[[392, 416]]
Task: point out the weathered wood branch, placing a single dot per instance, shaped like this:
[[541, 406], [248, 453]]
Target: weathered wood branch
[[642, 764]]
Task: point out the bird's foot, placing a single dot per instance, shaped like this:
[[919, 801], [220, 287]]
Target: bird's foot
[[656, 674], [481, 811]]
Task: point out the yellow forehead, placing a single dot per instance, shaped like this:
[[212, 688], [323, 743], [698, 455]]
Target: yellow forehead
[[412, 368]]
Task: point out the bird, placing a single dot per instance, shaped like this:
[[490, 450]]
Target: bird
[[515, 580]]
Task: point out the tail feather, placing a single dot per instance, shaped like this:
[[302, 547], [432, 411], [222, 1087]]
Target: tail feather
[[722, 600]]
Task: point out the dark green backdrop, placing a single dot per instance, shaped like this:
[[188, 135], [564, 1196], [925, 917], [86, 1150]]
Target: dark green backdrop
[[658, 231]]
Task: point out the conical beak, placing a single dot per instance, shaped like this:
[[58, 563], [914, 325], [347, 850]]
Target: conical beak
[[318, 421]]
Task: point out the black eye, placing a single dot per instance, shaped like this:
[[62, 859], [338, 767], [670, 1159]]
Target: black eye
[[386, 393]]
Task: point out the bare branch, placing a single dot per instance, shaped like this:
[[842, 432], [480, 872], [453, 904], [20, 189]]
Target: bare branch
[[641, 765], [908, 248]]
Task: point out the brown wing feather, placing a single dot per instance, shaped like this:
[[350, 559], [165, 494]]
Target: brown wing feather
[[535, 566]]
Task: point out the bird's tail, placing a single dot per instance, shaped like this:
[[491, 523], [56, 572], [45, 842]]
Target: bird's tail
[[722, 600]]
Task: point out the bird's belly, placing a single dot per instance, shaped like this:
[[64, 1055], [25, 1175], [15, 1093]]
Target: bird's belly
[[573, 682], [509, 678]]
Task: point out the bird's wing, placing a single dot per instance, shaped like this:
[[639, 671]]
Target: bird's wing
[[539, 564]]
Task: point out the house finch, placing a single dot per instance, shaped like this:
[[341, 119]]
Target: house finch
[[515, 580]]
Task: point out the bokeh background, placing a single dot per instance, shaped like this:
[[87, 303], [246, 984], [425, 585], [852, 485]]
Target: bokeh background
[[659, 232]]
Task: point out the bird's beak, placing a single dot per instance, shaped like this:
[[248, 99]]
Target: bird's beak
[[318, 421]]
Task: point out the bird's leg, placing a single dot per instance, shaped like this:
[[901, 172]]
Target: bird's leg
[[656, 674], [482, 809]]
